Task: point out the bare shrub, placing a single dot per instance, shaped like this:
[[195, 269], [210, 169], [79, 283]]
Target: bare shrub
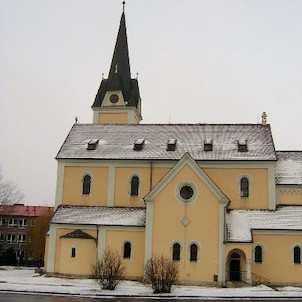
[[109, 270], [162, 273]]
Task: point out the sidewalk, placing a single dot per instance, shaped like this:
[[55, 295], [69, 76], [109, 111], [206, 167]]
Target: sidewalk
[[22, 279]]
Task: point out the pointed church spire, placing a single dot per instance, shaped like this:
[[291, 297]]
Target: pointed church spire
[[119, 74], [119, 82]]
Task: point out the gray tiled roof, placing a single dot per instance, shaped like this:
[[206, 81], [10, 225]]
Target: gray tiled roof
[[289, 168], [77, 234], [116, 141], [108, 216], [240, 223]]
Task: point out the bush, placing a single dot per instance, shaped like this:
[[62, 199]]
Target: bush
[[161, 273], [109, 270]]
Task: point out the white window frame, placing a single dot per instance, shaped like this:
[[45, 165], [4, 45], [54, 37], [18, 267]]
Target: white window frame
[[23, 238], [11, 238], [14, 222], [22, 223]]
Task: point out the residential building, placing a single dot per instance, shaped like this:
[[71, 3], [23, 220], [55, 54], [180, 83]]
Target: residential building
[[16, 223]]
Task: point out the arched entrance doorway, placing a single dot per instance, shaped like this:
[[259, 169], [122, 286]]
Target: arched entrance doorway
[[235, 274], [236, 266]]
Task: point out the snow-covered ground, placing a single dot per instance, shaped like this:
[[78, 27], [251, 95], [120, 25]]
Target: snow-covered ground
[[26, 280]]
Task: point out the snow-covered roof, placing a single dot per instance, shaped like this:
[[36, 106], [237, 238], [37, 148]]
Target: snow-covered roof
[[116, 141], [109, 216], [240, 223], [289, 168]]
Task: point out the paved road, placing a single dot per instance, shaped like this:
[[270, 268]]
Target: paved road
[[36, 298]]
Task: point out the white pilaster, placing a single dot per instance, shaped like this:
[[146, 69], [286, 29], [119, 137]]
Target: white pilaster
[[248, 272], [149, 231], [51, 255], [111, 186]]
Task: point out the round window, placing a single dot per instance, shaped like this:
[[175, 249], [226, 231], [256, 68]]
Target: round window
[[186, 192], [114, 98]]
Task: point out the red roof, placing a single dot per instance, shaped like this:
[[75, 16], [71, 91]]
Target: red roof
[[25, 211]]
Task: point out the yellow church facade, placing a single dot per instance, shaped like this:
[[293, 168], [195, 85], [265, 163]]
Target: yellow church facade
[[216, 198]]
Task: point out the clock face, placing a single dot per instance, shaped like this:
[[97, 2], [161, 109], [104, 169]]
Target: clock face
[[114, 98]]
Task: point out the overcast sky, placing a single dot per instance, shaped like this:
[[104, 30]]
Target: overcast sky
[[199, 61]]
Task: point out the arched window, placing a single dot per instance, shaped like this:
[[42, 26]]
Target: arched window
[[297, 254], [73, 252], [127, 250], [193, 252], [258, 254], [86, 184], [176, 252], [134, 185], [244, 187]]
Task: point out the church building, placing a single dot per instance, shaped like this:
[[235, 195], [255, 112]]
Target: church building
[[216, 198]]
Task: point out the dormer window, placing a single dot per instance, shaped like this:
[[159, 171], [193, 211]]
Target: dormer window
[[171, 144], [91, 145], [242, 145], [208, 145], [138, 144]]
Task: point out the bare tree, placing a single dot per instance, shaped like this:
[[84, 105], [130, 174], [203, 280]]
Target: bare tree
[[9, 192], [161, 273], [36, 237], [109, 270]]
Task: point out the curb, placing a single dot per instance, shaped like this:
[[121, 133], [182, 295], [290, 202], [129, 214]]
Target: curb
[[154, 297]]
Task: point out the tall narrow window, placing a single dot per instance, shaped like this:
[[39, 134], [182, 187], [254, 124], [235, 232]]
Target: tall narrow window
[[86, 184], [176, 252], [258, 254], [134, 186], [244, 187], [297, 255], [193, 252], [127, 250], [73, 252]]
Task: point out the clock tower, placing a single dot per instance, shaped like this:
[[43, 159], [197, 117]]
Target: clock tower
[[118, 100]]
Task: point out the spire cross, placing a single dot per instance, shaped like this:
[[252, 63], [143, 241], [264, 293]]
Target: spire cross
[[124, 6]]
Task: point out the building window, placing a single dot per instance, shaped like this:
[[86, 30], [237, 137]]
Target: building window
[[171, 144], [297, 255], [138, 144], [2, 221], [134, 186], [242, 145], [86, 184], [258, 254], [176, 252], [11, 238], [244, 187], [2, 237], [208, 145], [186, 192], [73, 252], [21, 238], [127, 250], [12, 222], [193, 252], [23, 223]]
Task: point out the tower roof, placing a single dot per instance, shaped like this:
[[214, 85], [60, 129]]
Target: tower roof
[[119, 74]]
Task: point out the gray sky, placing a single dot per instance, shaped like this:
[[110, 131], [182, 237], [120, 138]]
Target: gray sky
[[199, 61]]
